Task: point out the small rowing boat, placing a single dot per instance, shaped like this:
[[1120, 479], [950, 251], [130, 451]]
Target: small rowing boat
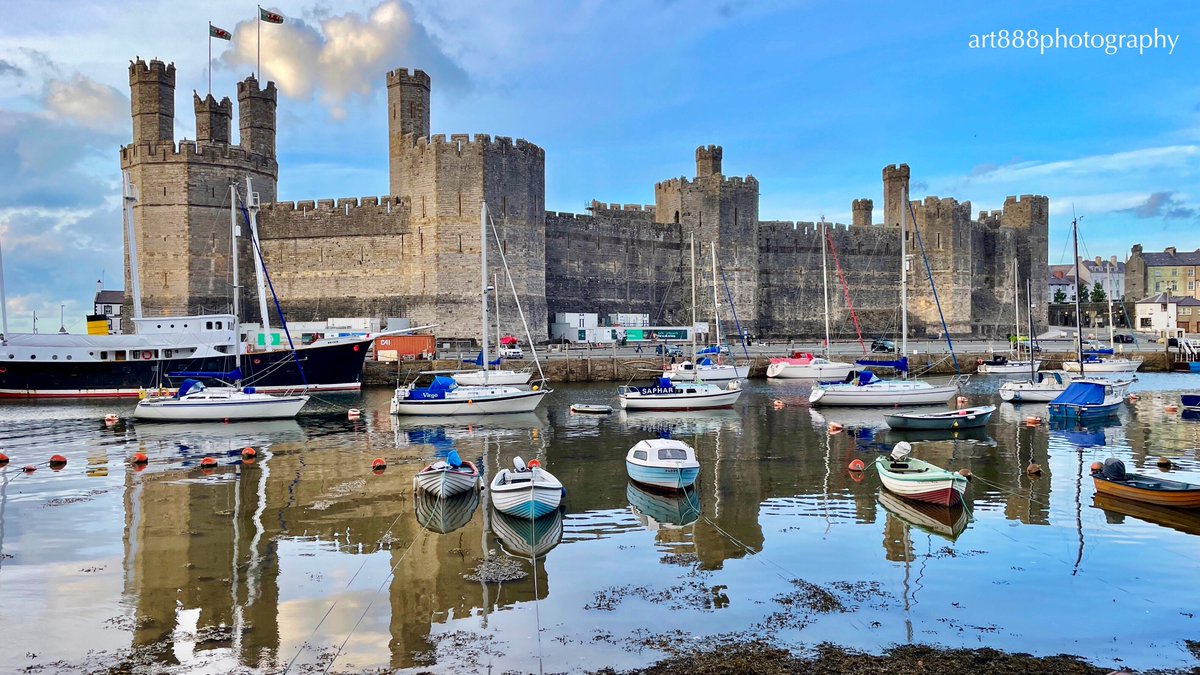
[[448, 477], [1112, 479], [965, 418], [916, 479], [528, 491], [591, 408]]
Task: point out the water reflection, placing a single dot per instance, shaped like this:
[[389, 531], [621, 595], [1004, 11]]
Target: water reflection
[[657, 508], [447, 514], [946, 522], [528, 538]]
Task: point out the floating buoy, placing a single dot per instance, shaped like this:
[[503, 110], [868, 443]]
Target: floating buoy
[[29, 468], [533, 463], [249, 452], [1033, 469], [835, 427], [469, 401], [57, 462], [208, 461], [138, 458], [1164, 463], [535, 387], [961, 400], [111, 419], [778, 404], [1133, 398], [857, 465], [3, 459], [1096, 466], [353, 413], [378, 463], [1032, 421], [966, 473], [1172, 408]]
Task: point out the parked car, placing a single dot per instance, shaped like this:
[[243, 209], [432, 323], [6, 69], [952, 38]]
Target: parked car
[[882, 345], [1123, 338], [512, 352], [669, 350], [1024, 344]]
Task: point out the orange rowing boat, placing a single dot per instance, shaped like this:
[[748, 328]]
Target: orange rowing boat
[[1112, 480]]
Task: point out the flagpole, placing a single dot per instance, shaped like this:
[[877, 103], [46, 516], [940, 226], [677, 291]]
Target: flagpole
[[258, 58], [210, 58]]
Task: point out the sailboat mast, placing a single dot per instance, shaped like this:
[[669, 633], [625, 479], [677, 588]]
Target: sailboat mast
[[483, 333], [128, 199], [903, 276], [237, 290], [693, 330], [3, 301], [1029, 320], [1016, 315], [1078, 316], [712, 248], [260, 272], [825, 283], [1109, 297], [496, 290]]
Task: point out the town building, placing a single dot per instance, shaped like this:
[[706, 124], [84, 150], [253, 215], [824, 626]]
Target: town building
[[1170, 271], [1166, 312]]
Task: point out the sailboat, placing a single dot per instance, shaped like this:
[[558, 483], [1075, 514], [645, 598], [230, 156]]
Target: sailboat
[[806, 366], [1003, 365], [702, 367], [444, 396], [1041, 387], [494, 375], [665, 395], [867, 389], [194, 402], [1098, 360]]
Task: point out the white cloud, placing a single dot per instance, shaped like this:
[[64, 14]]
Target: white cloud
[[1174, 156], [87, 103], [341, 56]]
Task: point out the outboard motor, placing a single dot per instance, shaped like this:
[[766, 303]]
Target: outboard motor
[[1114, 469], [519, 464], [901, 451]]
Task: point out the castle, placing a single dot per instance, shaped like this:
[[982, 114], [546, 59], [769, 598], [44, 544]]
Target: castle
[[411, 253]]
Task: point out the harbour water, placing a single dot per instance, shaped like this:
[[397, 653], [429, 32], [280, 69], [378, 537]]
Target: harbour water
[[306, 558]]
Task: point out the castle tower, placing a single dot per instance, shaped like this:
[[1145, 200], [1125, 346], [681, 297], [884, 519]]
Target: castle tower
[[1028, 217], [862, 209], [408, 113], [895, 186], [212, 118], [720, 211], [256, 117], [181, 217], [152, 101], [708, 160]]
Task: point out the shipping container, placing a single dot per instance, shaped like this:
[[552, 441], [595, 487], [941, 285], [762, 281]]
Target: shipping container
[[404, 347]]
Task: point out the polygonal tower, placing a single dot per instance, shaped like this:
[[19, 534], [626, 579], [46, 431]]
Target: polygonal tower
[[895, 187]]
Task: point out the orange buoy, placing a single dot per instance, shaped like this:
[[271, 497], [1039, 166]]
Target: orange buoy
[[3, 459], [857, 465], [469, 401], [1032, 421], [1033, 469], [835, 427], [249, 452], [961, 401], [1172, 408], [57, 461], [1133, 398], [111, 419], [966, 473], [353, 413], [29, 468], [1096, 466], [378, 463], [208, 461], [778, 404], [1164, 463], [138, 458], [533, 463]]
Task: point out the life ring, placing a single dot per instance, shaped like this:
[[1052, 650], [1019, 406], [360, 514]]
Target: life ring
[[147, 355]]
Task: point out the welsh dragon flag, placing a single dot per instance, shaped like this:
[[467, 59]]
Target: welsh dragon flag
[[219, 33], [269, 17]]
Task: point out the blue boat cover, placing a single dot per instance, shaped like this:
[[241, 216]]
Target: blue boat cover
[[704, 362], [478, 360], [1098, 352], [899, 364], [188, 385], [867, 377], [1190, 400], [453, 459], [1081, 393], [441, 383], [709, 350]]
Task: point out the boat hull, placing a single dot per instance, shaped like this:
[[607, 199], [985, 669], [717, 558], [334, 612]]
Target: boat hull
[[1141, 490], [1107, 366], [666, 478], [1031, 394], [336, 367], [709, 374], [510, 377], [1010, 368], [943, 487], [1069, 411], [970, 418], [887, 395], [525, 401], [446, 482], [526, 502], [722, 399], [182, 410], [811, 371]]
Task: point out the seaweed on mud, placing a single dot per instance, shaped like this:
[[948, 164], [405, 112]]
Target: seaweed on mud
[[497, 570], [687, 595]]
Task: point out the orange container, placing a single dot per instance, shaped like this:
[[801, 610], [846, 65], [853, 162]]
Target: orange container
[[405, 347]]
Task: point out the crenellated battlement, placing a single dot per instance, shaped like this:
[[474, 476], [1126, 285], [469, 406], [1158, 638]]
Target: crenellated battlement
[[404, 76], [597, 205], [462, 144], [193, 151], [248, 88], [343, 203], [155, 71]]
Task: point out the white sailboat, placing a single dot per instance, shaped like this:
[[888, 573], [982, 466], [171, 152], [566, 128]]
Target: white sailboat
[[806, 366], [495, 375], [866, 389], [1002, 365], [194, 402], [444, 396], [1041, 387], [701, 366], [1099, 360]]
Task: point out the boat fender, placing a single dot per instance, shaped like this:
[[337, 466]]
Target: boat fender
[[1096, 467], [208, 461], [57, 462]]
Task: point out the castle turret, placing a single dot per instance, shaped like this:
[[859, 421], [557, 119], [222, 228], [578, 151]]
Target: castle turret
[[408, 120], [895, 187], [212, 118], [862, 212], [708, 160], [152, 101], [256, 116]]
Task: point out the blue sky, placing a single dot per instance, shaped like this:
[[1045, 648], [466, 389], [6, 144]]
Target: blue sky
[[812, 98]]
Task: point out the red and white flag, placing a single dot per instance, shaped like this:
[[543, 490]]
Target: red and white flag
[[269, 17]]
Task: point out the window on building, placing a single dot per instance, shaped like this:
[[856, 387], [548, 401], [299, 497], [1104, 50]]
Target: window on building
[[1174, 272], [108, 310], [1163, 307], [1158, 273], [1191, 285], [1158, 285], [1145, 322], [939, 241]]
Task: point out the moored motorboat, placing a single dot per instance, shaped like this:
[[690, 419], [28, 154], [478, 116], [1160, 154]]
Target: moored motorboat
[[867, 389], [1087, 399], [194, 402], [802, 365], [1096, 364], [963, 418], [443, 515], [917, 479], [663, 463], [1112, 479], [528, 491], [706, 371], [664, 395], [448, 477]]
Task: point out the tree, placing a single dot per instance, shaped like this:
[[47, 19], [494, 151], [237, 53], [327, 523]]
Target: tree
[[1082, 292], [1098, 294], [1060, 296]]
